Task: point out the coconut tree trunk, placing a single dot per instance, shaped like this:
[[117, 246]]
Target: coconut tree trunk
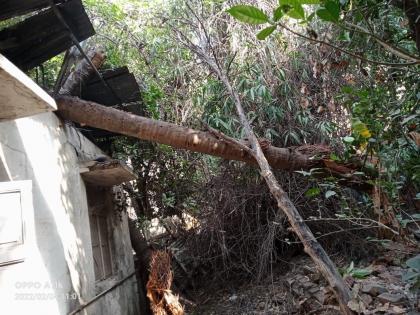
[[102, 117]]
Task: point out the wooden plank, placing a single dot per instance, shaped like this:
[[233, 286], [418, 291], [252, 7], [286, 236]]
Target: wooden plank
[[124, 86], [19, 95], [107, 173], [13, 8], [43, 36]]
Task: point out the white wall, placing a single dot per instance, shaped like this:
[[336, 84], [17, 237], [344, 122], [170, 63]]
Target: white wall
[[57, 273]]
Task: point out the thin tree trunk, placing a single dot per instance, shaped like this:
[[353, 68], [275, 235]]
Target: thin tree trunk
[[311, 246], [98, 116]]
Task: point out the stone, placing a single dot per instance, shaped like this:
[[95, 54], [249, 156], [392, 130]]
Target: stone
[[373, 289], [391, 298]]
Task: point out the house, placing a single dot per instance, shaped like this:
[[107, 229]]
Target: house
[[64, 241]]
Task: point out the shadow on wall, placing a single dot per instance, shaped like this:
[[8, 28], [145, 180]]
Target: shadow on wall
[[36, 149]]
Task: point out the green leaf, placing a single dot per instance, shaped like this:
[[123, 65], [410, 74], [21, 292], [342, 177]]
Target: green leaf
[[248, 14], [361, 129], [315, 191], [333, 7], [409, 275], [330, 193], [334, 157], [360, 273], [278, 14], [297, 12], [330, 12], [348, 139], [350, 268], [414, 262], [264, 33]]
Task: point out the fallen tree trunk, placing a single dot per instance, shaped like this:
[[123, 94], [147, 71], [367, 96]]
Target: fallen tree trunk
[[102, 117]]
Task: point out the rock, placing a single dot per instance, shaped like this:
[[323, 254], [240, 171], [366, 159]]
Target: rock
[[391, 298], [373, 289]]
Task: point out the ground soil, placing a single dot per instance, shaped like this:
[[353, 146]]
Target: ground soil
[[300, 289]]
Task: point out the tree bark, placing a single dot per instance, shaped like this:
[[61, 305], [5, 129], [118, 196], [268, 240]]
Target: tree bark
[[98, 116], [82, 72]]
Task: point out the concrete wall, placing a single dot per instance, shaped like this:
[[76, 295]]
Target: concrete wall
[[57, 273]]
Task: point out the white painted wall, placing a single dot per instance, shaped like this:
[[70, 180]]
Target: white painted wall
[[57, 273]]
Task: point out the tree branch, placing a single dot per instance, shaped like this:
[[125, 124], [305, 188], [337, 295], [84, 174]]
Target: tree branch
[[349, 52]]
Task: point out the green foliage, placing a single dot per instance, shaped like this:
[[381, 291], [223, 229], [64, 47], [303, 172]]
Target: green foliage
[[380, 126], [412, 276], [312, 192], [330, 12], [151, 98], [248, 14], [358, 273], [263, 34]]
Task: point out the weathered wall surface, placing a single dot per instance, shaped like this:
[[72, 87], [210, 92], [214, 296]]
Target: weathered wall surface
[[57, 273]]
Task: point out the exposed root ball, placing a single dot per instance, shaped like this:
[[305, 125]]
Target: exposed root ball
[[162, 300]]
